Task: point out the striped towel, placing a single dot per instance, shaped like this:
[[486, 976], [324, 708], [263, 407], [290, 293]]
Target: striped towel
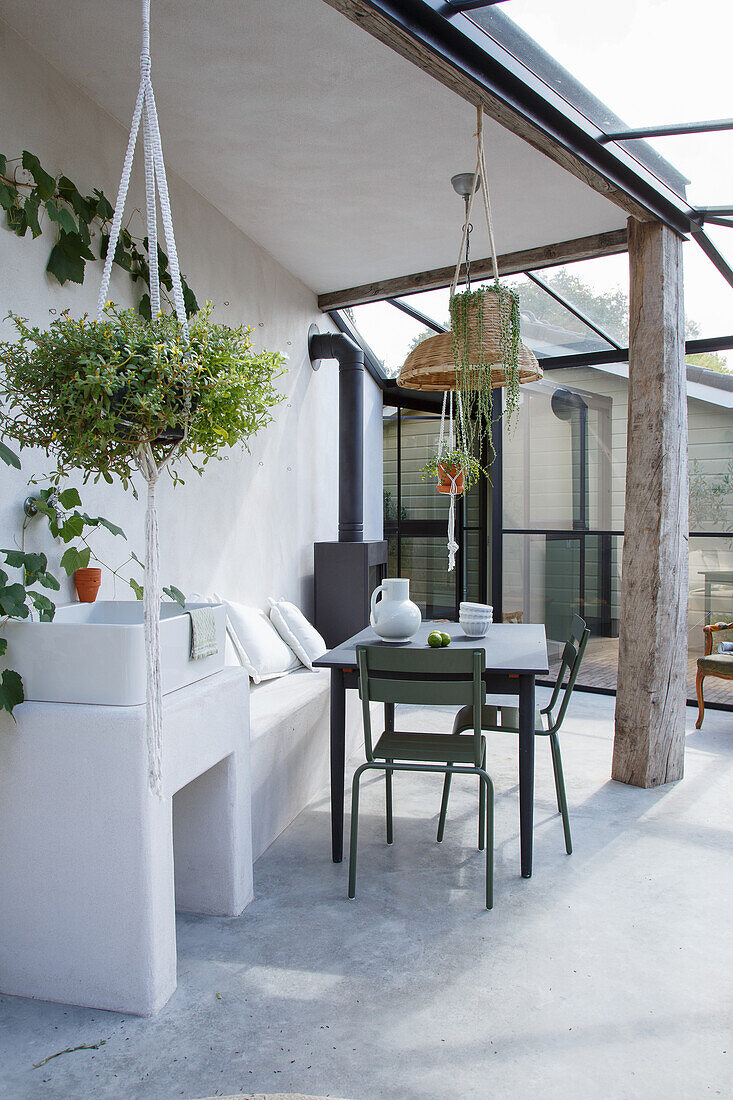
[[203, 633]]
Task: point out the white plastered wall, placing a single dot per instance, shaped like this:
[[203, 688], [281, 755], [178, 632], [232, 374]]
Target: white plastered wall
[[247, 528]]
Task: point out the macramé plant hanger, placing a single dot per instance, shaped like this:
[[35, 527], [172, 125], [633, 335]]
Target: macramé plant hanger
[[482, 351], [150, 465]]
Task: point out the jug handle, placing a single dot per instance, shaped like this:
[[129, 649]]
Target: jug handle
[[375, 593]]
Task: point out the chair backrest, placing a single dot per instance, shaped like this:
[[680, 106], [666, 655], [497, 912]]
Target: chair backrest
[[572, 655], [422, 677]]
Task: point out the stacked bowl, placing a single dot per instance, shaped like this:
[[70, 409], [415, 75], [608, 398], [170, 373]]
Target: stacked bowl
[[475, 618]]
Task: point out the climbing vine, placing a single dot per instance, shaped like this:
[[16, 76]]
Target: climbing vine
[[35, 200]]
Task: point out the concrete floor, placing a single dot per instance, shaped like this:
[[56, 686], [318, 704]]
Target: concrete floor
[[608, 974]]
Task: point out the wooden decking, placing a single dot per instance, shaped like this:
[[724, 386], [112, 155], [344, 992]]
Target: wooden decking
[[600, 665]]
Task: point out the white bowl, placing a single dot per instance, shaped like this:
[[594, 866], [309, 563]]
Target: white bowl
[[474, 625]]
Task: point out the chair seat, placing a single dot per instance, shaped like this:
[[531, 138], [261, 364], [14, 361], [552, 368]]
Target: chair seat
[[426, 748], [717, 664], [490, 719]]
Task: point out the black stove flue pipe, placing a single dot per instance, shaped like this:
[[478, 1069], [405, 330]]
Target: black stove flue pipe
[[350, 358]]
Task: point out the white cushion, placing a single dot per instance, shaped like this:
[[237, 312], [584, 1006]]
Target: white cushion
[[293, 627], [260, 648]]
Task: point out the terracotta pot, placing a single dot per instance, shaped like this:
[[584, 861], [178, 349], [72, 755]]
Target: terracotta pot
[[447, 476], [87, 583]]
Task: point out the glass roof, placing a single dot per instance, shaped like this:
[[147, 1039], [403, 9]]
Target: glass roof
[[643, 70], [641, 61]]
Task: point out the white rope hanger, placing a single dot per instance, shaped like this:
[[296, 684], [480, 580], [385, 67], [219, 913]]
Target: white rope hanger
[[150, 468]]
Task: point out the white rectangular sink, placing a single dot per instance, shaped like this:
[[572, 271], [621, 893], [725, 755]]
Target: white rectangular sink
[[95, 653]]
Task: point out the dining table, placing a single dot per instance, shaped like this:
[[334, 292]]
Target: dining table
[[514, 655]]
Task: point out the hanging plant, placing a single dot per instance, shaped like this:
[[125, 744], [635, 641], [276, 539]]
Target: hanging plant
[[485, 344], [456, 470], [92, 393]]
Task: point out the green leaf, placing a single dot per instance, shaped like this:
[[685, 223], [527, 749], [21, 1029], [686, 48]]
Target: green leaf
[[11, 690], [111, 527], [143, 307], [72, 528], [69, 498], [63, 268], [3, 646], [74, 245], [136, 588], [17, 221], [105, 210], [45, 184], [189, 299], [175, 594], [9, 457], [73, 559], [30, 209], [49, 581], [3, 164], [12, 601], [8, 195], [14, 558], [61, 216], [45, 607]]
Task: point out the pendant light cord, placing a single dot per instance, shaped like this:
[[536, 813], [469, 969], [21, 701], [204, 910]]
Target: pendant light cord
[[479, 174]]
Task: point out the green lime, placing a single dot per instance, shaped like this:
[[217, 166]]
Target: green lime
[[445, 639], [435, 639]]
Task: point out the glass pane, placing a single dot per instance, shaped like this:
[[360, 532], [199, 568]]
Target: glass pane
[[473, 566], [606, 69], [390, 333], [432, 587], [560, 468], [420, 498], [389, 443], [548, 579]]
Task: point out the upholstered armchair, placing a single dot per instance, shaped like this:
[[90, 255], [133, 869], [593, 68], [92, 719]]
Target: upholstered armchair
[[713, 664]]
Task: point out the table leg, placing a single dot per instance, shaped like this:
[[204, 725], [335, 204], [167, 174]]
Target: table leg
[[708, 600], [338, 762], [526, 771]]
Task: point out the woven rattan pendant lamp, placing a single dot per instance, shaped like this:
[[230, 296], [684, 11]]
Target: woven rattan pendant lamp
[[480, 321]]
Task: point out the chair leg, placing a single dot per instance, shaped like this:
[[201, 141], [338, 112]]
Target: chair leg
[[444, 804], [388, 781], [354, 830], [700, 700], [488, 788], [562, 802], [482, 808]]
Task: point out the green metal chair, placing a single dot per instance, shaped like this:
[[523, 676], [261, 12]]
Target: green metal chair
[[424, 678], [547, 724]]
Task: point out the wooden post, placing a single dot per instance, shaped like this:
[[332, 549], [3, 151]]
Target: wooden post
[[650, 705]]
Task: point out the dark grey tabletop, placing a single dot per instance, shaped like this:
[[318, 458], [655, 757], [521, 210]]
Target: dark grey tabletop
[[509, 647]]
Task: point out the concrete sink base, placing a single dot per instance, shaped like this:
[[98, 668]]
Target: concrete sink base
[[89, 881]]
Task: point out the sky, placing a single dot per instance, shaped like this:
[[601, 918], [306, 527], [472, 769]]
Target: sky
[[651, 62]]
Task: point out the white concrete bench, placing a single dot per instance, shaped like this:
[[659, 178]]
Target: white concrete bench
[[290, 749]]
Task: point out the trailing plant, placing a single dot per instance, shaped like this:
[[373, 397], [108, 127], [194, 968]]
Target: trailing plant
[[73, 527], [457, 458], [473, 370], [33, 198], [95, 395]]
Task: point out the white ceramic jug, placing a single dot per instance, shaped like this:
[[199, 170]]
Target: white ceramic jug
[[395, 618]]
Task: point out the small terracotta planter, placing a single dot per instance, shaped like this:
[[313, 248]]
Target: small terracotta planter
[[87, 583], [450, 479]]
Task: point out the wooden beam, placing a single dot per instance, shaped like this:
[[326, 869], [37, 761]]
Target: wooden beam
[[530, 259], [650, 703], [436, 66]]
